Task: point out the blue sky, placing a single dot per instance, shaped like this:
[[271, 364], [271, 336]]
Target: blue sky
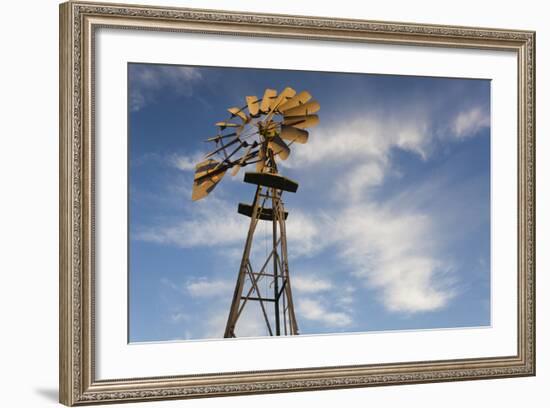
[[389, 229]]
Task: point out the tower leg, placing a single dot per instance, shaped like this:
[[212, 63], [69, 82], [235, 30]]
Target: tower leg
[[293, 325], [237, 294], [275, 269]]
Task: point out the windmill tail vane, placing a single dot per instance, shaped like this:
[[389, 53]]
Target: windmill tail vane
[[259, 133]]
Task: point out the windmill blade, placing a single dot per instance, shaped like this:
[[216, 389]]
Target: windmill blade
[[294, 135], [301, 122], [204, 185], [202, 168], [253, 106], [305, 109], [279, 147], [283, 97], [238, 112], [208, 174], [297, 100], [267, 100], [219, 137], [239, 164], [224, 125]]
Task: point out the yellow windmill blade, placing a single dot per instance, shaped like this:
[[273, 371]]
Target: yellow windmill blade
[[253, 106], [217, 138], [203, 187], [278, 147], [294, 135], [205, 166], [208, 174], [301, 122], [304, 109], [283, 97], [267, 100], [225, 124], [298, 99], [238, 112]]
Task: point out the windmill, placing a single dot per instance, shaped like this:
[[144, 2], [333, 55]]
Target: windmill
[[265, 128]]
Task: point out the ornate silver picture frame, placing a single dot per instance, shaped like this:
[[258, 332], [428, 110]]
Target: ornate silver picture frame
[[79, 24]]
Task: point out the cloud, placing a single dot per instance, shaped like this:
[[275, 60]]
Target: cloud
[[363, 139], [186, 162], [468, 123], [313, 309], [146, 80], [371, 175], [346, 297], [215, 223], [208, 223], [200, 287], [394, 252], [368, 138], [303, 234], [204, 287], [310, 284]]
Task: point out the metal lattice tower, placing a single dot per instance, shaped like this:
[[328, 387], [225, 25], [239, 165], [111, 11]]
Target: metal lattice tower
[[267, 205]]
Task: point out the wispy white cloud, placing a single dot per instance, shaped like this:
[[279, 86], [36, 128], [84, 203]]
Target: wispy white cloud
[[395, 252], [303, 234], [199, 287], [204, 287], [468, 123], [391, 249], [146, 81], [209, 223], [186, 162], [313, 309], [310, 284], [362, 178], [367, 139], [363, 139], [346, 297], [216, 223]]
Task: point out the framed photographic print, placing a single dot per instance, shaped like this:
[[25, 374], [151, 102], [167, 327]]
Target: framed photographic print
[[256, 203]]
